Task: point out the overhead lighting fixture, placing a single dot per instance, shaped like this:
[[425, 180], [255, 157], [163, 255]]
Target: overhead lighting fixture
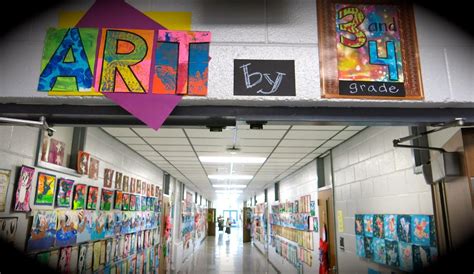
[[230, 177], [235, 160], [231, 186], [229, 191]]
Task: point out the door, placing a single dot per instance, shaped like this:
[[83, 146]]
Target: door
[[247, 220], [232, 215], [326, 223], [211, 221]]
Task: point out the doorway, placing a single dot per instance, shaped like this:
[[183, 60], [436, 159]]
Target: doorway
[[233, 215], [328, 232]]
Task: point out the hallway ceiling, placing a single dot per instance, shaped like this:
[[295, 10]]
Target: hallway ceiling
[[287, 148]]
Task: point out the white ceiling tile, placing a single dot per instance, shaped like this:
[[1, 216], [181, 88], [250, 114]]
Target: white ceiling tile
[[355, 127], [173, 148], [154, 158], [265, 127], [311, 135], [332, 143], [288, 155], [210, 148], [260, 134], [205, 133], [119, 131], [162, 132], [258, 142], [132, 140], [343, 135], [141, 147], [301, 143], [306, 150], [148, 153], [177, 153], [249, 149], [214, 142], [167, 141], [309, 127]]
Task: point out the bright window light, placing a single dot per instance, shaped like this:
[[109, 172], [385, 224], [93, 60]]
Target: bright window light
[[229, 191], [232, 159], [231, 186], [230, 177]]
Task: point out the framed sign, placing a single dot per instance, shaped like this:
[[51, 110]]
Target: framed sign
[[368, 50]]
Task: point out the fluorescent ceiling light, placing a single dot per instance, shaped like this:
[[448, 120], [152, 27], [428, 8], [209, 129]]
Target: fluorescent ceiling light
[[232, 159], [230, 177], [231, 186], [229, 191]]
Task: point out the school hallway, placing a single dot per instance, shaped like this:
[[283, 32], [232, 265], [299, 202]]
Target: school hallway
[[227, 254]]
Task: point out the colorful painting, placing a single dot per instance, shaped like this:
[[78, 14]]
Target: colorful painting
[[125, 183], [133, 202], [360, 246], [421, 257], [109, 224], [4, 183], [94, 169], [169, 77], [152, 191], [143, 202], [79, 198], [106, 200], [63, 195], [404, 228], [66, 233], [359, 224], [118, 200], [124, 60], [126, 202], [133, 243], [45, 189], [132, 185], [368, 245], [85, 226], [81, 261], [108, 176], [139, 186], [83, 162], [92, 197], [64, 264], [432, 232], [405, 254], [117, 223], [157, 192], [56, 152], [96, 259], [126, 222], [68, 59], [378, 225], [89, 257], [420, 228], [390, 227], [379, 250], [363, 50], [126, 246], [139, 203], [43, 230], [391, 249], [148, 190], [368, 225], [8, 228], [98, 222], [109, 249]]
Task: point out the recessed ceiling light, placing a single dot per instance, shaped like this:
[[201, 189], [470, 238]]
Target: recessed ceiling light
[[231, 186], [230, 177], [227, 159]]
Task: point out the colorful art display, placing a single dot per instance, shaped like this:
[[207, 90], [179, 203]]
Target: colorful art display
[[45, 189], [66, 231], [85, 226], [56, 152], [81, 261], [108, 176], [83, 162], [363, 55], [118, 200], [133, 202], [126, 202], [22, 196], [43, 230], [107, 198], [79, 199], [4, 183], [92, 197], [99, 221], [125, 184], [64, 192], [401, 241], [132, 185], [94, 169]]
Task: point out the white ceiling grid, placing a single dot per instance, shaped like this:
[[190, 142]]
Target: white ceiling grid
[[287, 148]]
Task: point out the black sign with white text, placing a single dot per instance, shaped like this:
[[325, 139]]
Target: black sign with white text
[[368, 88], [264, 77]]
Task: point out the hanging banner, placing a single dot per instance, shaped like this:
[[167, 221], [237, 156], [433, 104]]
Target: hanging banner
[[368, 50]]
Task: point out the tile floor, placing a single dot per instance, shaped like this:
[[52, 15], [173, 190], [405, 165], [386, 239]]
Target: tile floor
[[227, 254]]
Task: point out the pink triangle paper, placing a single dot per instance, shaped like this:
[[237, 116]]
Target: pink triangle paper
[[151, 109]]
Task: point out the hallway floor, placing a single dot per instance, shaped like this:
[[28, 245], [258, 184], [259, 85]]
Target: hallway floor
[[227, 254]]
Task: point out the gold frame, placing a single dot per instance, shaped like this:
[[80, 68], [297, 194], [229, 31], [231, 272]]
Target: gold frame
[[328, 53]]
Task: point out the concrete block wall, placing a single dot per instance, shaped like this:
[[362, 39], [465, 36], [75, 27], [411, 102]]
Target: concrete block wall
[[371, 176], [303, 182]]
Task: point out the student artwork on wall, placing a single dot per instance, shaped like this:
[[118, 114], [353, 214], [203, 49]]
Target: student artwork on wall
[[119, 179], [391, 248], [22, 196], [56, 152], [378, 225], [45, 187], [83, 162], [107, 198], [118, 200], [109, 224], [81, 261], [4, 183], [43, 230], [406, 256], [379, 250], [66, 231], [132, 185], [85, 226], [368, 50], [404, 228], [390, 227], [421, 230], [94, 169], [360, 246], [92, 197], [99, 221], [63, 196], [96, 259], [108, 176], [133, 202], [126, 202], [144, 186], [139, 186], [143, 203], [359, 224], [79, 197], [64, 260], [125, 184], [368, 225], [8, 227]]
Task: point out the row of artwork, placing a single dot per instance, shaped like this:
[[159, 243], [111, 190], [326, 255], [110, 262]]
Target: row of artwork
[[62, 228], [288, 251], [47, 194], [299, 221], [303, 205], [407, 242], [302, 238], [132, 253]]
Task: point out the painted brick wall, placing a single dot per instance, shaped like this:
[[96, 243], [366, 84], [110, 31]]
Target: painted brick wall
[[371, 176]]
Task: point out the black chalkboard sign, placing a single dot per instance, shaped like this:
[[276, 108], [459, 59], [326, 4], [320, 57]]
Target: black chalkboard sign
[[264, 77]]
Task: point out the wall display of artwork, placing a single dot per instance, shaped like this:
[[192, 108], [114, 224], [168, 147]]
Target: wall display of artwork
[[83, 162], [43, 230], [94, 169], [79, 198], [124, 181], [4, 183], [132, 185], [64, 191], [8, 228], [108, 177], [66, 230], [126, 202], [106, 199], [23, 191], [92, 197], [133, 202], [118, 201], [56, 152], [400, 241], [45, 187], [139, 186], [64, 264]]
